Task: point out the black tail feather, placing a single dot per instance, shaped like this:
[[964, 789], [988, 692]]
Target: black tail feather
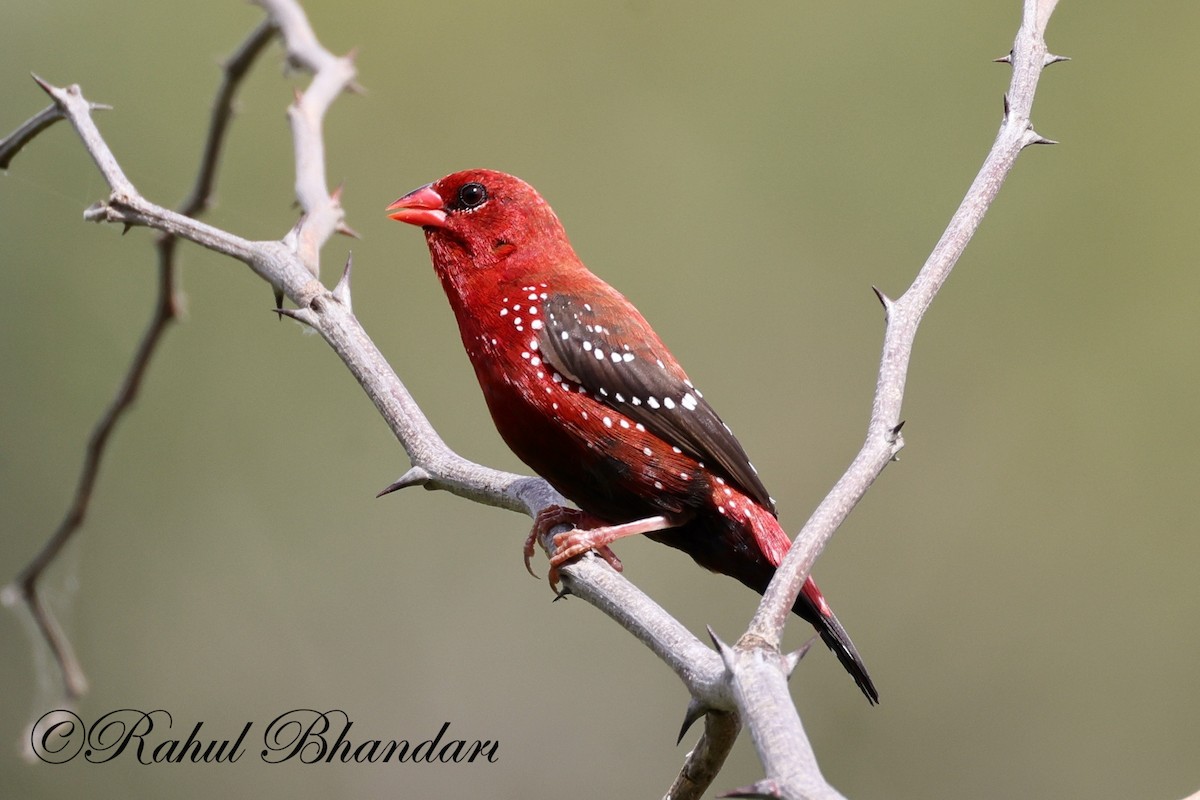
[[835, 636]]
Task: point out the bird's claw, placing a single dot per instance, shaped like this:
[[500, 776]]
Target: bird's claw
[[567, 545], [530, 544], [573, 550]]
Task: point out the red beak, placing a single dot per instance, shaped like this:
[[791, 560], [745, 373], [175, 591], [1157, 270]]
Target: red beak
[[423, 207]]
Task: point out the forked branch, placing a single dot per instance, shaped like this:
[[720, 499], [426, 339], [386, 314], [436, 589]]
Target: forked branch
[[745, 683], [755, 663], [166, 309]]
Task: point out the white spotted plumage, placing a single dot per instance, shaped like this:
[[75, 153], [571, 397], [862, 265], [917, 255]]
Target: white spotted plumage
[[620, 362]]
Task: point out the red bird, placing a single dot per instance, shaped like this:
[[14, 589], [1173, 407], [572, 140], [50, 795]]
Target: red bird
[[583, 391]]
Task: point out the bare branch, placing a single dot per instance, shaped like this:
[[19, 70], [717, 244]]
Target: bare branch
[[322, 210], [758, 671], [707, 757], [328, 312], [746, 682], [166, 309], [904, 315], [235, 67], [13, 143]]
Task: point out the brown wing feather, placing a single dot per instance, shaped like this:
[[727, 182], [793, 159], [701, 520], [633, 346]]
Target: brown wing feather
[[623, 364]]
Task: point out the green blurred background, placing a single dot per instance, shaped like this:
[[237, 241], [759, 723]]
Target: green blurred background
[[1022, 583]]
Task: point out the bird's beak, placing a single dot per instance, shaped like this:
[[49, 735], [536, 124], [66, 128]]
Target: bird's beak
[[423, 207]]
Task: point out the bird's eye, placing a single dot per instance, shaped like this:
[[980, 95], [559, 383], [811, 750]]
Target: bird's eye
[[472, 195]]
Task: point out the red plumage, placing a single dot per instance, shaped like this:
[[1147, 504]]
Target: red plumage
[[582, 389]]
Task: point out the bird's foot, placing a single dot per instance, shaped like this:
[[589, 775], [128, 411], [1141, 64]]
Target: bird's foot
[[580, 539], [580, 523]]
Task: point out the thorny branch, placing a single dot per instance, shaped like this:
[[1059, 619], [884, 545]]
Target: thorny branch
[[288, 265], [745, 683], [756, 660], [166, 309]]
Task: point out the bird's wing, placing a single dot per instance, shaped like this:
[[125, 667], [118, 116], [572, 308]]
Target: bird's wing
[[618, 359]]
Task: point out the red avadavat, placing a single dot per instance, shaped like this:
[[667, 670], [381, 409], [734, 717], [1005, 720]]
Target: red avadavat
[[584, 392]]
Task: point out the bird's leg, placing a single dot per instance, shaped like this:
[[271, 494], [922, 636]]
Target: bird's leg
[[587, 536], [548, 518]]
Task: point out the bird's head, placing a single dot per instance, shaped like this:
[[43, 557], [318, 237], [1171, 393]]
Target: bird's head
[[478, 219]]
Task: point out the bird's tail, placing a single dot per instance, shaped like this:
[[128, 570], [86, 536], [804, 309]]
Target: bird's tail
[[810, 605], [746, 542]]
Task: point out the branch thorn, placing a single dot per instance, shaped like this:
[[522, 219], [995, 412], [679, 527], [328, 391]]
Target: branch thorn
[[725, 651], [792, 659], [341, 292], [416, 476], [1004, 59], [695, 710], [884, 300], [290, 313], [1051, 58], [1034, 137], [46, 87]]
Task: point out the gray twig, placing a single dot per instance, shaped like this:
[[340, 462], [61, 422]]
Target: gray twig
[[745, 683], [12, 144], [166, 309], [756, 668]]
